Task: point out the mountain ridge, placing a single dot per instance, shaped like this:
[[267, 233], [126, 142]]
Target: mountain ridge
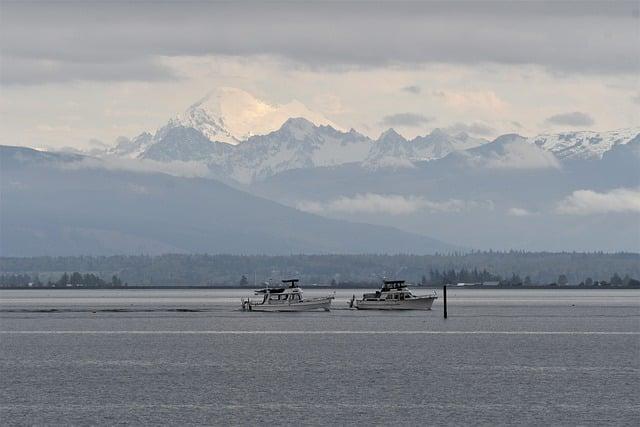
[[243, 139], [99, 211]]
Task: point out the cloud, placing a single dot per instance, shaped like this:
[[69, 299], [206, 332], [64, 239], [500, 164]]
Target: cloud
[[575, 118], [464, 100], [95, 40], [179, 168], [518, 212], [405, 120], [392, 204], [413, 89], [588, 202], [475, 128], [30, 71], [518, 155]]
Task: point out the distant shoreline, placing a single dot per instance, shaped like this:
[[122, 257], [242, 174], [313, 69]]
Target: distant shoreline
[[373, 286]]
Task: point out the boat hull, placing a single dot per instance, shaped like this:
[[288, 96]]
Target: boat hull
[[418, 303], [314, 304]]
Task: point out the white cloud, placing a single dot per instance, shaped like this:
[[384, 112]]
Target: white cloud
[[465, 100], [588, 202], [521, 156], [389, 162], [518, 212], [405, 120], [174, 168], [475, 128], [392, 204]]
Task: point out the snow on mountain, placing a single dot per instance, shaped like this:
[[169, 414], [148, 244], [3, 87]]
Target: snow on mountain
[[391, 149], [242, 138], [583, 144], [511, 151], [297, 144], [186, 144], [131, 148], [232, 115]]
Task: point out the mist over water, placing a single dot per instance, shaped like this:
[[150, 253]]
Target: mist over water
[[191, 357]]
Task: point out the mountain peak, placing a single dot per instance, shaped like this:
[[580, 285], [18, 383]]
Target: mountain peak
[[232, 115], [390, 134], [508, 138], [298, 122], [298, 127], [438, 133]]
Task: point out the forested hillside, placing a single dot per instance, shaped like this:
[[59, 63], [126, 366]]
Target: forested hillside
[[228, 270]]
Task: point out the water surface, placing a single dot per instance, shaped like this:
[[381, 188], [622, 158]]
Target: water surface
[[569, 357]]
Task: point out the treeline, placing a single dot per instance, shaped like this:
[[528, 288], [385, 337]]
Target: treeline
[[537, 268], [437, 278], [73, 280]]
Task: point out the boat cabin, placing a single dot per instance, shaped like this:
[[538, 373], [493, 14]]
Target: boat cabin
[[287, 294], [391, 290]]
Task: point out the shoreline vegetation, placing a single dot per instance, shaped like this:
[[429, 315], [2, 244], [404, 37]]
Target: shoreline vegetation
[[370, 286], [487, 269]]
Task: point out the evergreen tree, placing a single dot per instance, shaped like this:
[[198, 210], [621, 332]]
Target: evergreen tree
[[64, 279], [76, 278], [616, 280]]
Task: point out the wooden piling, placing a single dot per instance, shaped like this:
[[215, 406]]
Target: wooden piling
[[444, 293]]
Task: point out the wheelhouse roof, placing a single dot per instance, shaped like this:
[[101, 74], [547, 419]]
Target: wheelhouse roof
[[291, 282]]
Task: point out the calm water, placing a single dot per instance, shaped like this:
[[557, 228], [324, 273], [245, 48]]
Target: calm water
[[190, 357]]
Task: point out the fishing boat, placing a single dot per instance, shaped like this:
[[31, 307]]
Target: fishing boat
[[285, 298], [394, 295]]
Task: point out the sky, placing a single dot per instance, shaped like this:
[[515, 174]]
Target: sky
[[72, 74]]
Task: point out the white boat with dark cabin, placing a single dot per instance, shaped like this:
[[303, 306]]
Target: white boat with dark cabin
[[394, 295], [285, 298]]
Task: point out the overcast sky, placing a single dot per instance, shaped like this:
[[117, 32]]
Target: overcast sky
[[71, 72]]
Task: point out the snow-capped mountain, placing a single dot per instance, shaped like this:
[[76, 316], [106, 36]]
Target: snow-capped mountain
[[244, 139], [132, 148], [510, 151], [300, 144], [232, 115], [186, 144], [297, 144], [393, 150], [583, 144]]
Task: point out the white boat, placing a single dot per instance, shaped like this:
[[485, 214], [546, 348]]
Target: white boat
[[394, 295], [286, 298]]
